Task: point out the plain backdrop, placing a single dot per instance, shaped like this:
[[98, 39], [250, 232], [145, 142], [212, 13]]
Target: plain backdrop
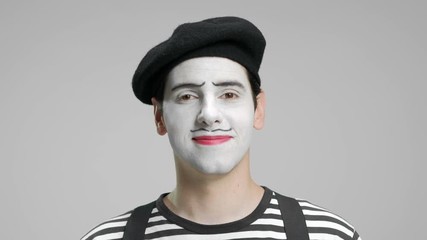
[[345, 125]]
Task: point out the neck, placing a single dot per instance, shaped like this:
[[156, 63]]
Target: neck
[[214, 199]]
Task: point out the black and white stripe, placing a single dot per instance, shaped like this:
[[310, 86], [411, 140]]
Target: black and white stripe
[[109, 230], [268, 225], [321, 223], [324, 225]]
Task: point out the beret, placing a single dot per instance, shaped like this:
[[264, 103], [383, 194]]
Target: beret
[[230, 37]]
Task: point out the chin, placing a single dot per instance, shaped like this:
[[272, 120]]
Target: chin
[[217, 169], [214, 172]]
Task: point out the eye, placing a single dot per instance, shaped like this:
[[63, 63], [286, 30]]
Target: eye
[[186, 97], [229, 95]]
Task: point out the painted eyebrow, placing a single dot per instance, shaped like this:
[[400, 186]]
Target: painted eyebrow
[[187, 85], [228, 84]]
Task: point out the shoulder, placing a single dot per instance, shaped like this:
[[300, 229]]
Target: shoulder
[[324, 224], [110, 229]]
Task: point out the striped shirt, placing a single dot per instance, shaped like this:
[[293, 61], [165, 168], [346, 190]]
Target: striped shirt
[[265, 222]]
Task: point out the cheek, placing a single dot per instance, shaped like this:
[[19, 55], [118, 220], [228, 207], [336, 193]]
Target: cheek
[[244, 112], [242, 118], [177, 120]]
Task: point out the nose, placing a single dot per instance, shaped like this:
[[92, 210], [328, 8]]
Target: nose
[[209, 114]]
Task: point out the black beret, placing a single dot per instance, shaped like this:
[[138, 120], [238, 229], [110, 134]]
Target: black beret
[[230, 37]]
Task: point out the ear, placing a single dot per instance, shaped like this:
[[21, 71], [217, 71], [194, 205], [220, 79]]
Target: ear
[[158, 117], [259, 111]]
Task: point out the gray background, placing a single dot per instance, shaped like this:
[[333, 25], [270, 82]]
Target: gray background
[[345, 84]]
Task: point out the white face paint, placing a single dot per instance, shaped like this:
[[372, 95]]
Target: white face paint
[[208, 112]]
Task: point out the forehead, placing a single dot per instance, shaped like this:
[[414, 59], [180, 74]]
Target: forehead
[[202, 69]]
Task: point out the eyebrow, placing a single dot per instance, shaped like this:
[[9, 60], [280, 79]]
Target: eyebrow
[[221, 84], [187, 85], [228, 84]]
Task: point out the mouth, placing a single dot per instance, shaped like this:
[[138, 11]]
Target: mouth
[[211, 140]]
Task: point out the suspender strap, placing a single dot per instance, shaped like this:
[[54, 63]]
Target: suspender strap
[[295, 226], [137, 222]]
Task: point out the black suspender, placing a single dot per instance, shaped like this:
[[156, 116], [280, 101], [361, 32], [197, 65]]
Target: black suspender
[[137, 222], [295, 226], [292, 215]]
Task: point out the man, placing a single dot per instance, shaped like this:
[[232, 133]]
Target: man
[[204, 86]]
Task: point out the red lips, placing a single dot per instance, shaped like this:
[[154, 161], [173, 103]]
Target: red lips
[[211, 140]]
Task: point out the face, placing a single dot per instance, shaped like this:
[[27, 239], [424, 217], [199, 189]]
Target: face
[[208, 113]]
